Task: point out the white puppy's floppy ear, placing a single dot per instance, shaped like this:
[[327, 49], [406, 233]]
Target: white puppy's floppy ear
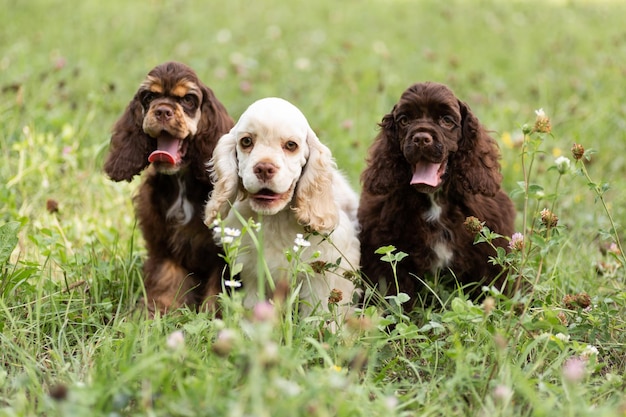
[[223, 168], [315, 203]]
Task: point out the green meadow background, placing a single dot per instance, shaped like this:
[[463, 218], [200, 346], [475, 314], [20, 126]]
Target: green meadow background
[[70, 343]]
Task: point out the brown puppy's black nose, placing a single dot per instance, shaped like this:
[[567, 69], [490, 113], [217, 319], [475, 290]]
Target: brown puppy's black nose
[[422, 138], [164, 113], [264, 171]]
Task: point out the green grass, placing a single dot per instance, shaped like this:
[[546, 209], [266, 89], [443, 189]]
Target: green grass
[[71, 343]]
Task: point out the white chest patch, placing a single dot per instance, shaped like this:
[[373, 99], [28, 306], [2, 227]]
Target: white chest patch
[[444, 255], [182, 209], [434, 212]]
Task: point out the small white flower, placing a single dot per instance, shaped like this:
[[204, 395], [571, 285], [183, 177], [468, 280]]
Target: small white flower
[[588, 351], [176, 340], [232, 283], [300, 241], [540, 113], [562, 337], [562, 164], [227, 239], [229, 231]]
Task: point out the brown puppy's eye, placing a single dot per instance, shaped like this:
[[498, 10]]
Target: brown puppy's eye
[[245, 142], [147, 97], [447, 122], [402, 120], [291, 146], [189, 100]]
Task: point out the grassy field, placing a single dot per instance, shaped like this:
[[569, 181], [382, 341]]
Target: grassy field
[[70, 254]]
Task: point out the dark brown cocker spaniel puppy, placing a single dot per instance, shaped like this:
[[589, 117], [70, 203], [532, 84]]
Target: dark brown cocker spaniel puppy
[[431, 166], [171, 127]]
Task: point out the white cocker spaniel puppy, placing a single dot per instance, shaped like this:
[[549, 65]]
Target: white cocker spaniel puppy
[[271, 167]]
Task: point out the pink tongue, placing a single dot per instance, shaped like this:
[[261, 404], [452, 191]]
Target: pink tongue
[[167, 151], [426, 173]]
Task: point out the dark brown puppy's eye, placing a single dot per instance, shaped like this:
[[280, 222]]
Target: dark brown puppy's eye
[[402, 120], [147, 97], [189, 100], [245, 142], [447, 122]]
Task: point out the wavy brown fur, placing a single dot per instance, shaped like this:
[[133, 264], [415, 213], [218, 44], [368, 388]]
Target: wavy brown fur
[[183, 264], [426, 221]]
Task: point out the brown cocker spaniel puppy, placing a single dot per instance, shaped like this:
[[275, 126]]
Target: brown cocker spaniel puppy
[[431, 166], [171, 127]]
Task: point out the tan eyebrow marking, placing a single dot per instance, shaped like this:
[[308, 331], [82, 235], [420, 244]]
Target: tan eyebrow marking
[[153, 84], [185, 87]]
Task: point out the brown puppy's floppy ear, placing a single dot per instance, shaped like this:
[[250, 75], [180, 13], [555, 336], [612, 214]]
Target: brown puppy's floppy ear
[[314, 200], [130, 146], [214, 122], [387, 168], [224, 171], [476, 163]]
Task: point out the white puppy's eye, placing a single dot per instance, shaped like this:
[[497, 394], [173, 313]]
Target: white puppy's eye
[[291, 146], [245, 142]]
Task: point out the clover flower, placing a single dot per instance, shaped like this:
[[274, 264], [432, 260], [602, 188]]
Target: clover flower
[[562, 337], [588, 352], [473, 225], [542, 122], [574, 369], [562, 164], [614, 249], [548, 218], [573, 301], [578, 151], [264, 311], [175, 340], [517, 241], [335, 296], [502, 393], [224, 342]]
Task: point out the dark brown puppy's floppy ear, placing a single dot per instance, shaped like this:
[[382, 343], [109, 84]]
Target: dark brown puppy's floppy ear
[[214, 122], [130, 146], [387, 168], [476, 163]]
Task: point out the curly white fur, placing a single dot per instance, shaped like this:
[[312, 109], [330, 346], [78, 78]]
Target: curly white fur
[[272, 167]]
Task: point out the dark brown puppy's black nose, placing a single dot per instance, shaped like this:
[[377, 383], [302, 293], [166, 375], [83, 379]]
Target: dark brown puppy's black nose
[[163, 113], [422, 138]]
